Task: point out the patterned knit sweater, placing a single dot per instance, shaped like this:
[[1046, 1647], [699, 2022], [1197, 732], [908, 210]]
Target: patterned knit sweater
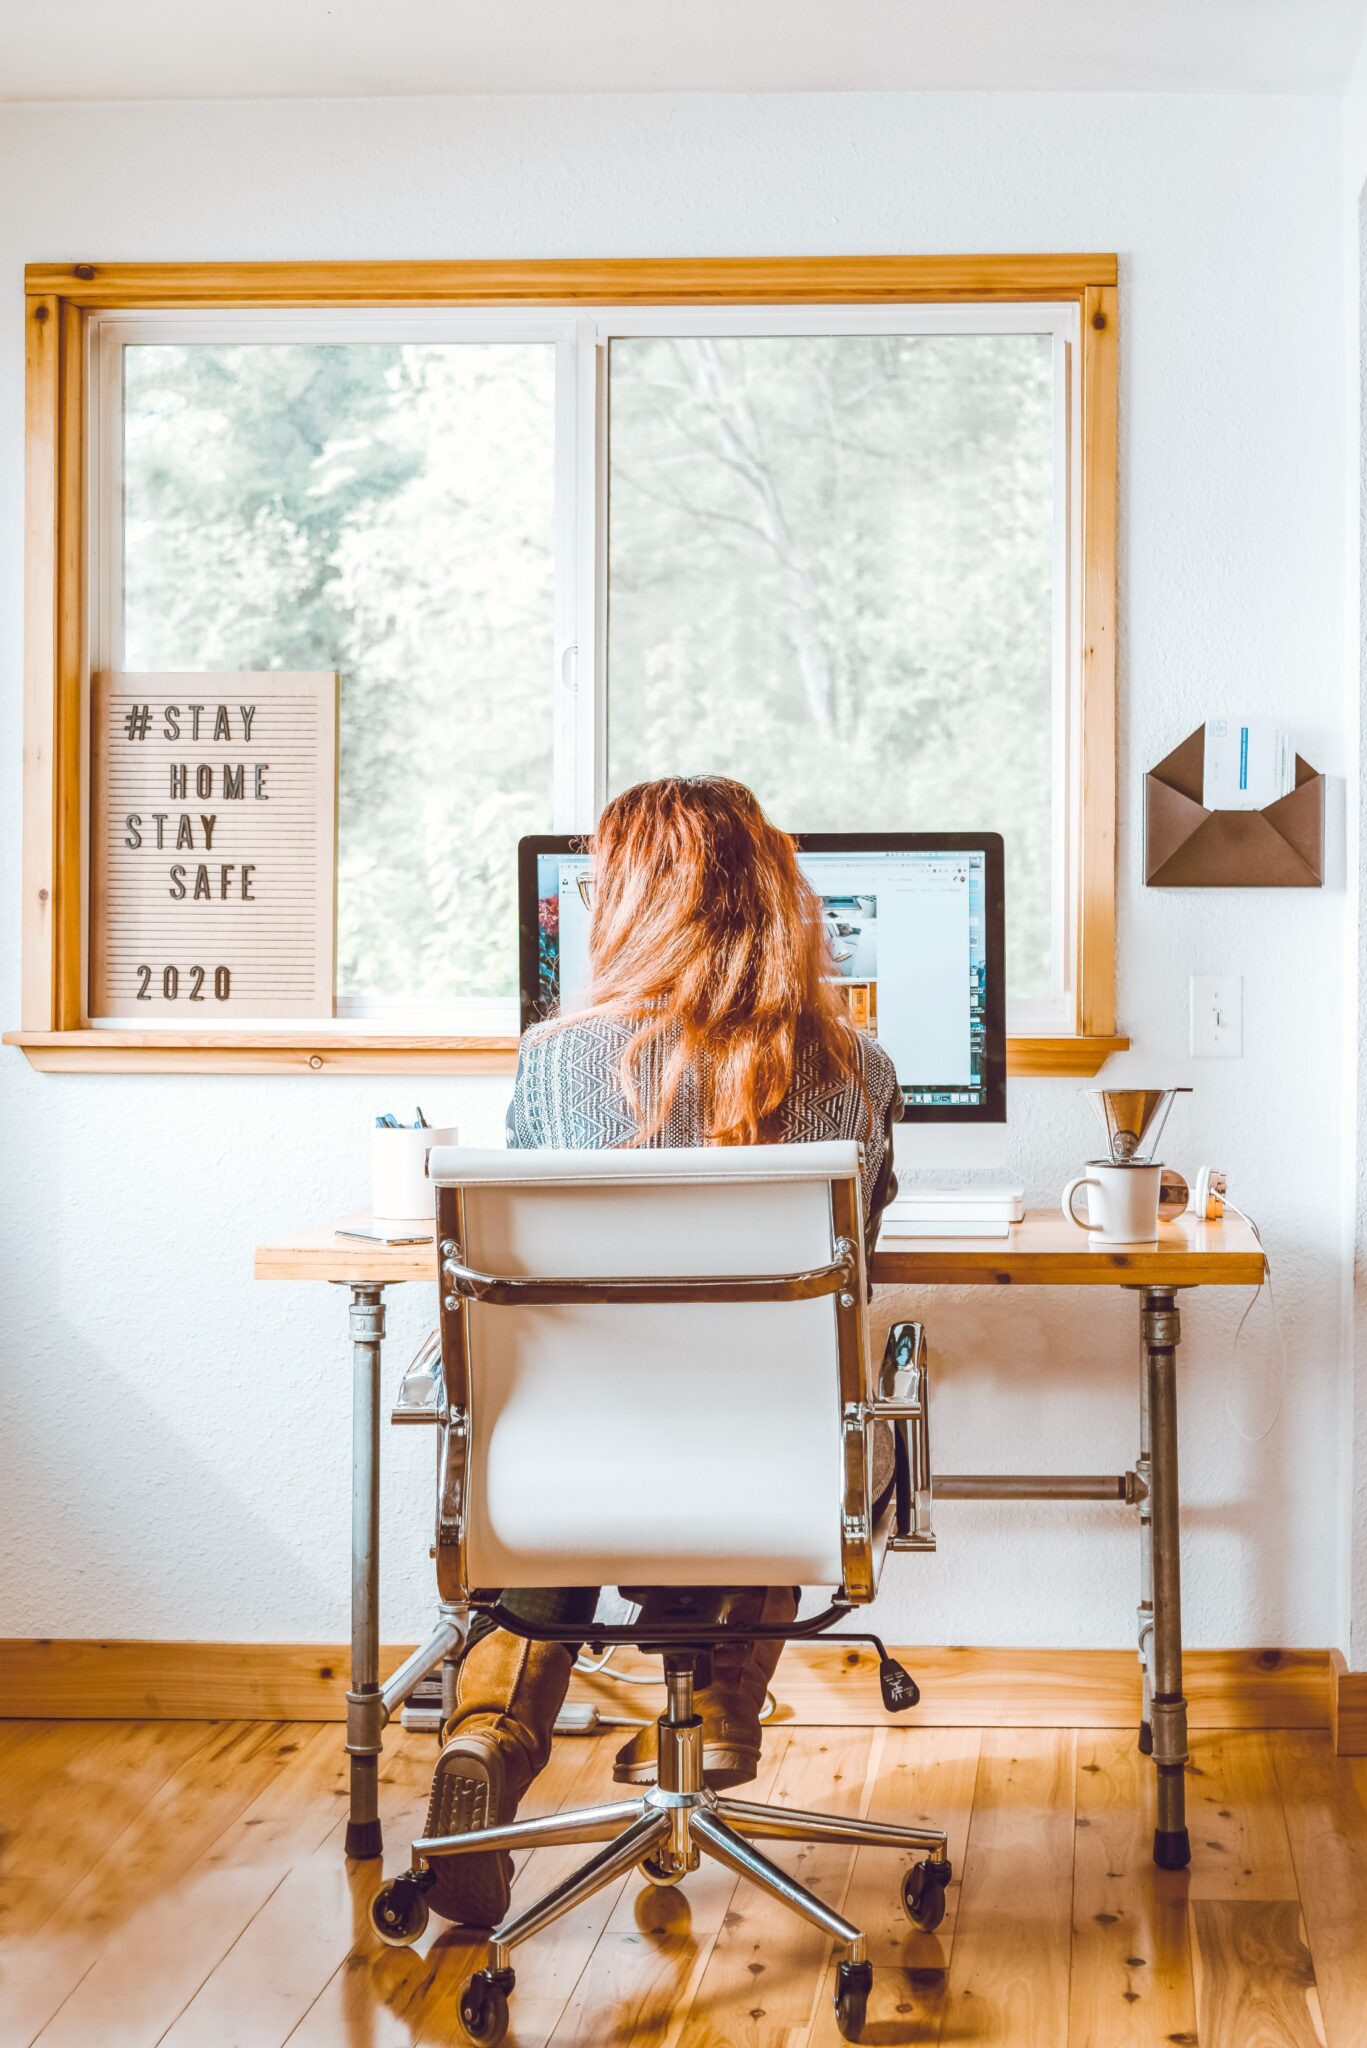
[[568, 1093]]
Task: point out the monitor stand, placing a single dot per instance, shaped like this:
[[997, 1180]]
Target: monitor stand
[[949, 1151]]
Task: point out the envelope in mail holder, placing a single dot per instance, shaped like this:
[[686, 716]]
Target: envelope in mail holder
[[1188, 847]]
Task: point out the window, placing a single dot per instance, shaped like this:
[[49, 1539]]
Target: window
[[385, 509], [852, 546], [837, 569]]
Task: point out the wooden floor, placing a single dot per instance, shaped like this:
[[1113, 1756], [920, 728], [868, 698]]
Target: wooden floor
[[183, 1883]]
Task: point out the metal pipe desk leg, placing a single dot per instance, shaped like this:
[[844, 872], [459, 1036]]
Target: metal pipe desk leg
[[1145, 1615], [365, 1704], [1162, 1332]]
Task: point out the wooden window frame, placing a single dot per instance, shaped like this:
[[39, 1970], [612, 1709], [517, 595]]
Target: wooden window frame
[[54, 1032]]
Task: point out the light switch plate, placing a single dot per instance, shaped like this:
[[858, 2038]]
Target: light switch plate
[[1217, 1016]]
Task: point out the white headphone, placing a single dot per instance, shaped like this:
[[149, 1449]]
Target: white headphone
[[1207, 1196]]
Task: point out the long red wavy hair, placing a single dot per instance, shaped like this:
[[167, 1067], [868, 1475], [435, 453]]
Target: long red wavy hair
[[706, 935]]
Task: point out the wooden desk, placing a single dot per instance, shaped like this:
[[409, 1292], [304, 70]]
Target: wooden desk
[[1046, 1251], [1042, 1251]]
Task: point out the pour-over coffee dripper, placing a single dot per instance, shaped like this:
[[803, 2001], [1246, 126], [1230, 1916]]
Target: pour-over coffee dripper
[[1133, 1120]]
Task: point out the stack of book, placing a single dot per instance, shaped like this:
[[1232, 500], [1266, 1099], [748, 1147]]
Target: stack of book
[[952, 1212]]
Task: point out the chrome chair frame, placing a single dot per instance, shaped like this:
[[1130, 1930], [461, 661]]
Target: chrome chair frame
[[902, 1398], [667, 1829], [666, 1832]]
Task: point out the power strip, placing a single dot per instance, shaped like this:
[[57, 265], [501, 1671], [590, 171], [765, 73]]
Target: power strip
[[422, 1713]]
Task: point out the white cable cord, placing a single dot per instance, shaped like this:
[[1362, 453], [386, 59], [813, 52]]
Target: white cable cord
[[1256, 1436], [588, 1669]]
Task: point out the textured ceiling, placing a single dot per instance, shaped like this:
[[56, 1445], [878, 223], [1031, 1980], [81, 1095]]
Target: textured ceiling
[[177, 49]]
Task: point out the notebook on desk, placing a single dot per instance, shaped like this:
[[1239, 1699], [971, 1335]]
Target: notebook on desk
[[386, 1230], [952, 1212]]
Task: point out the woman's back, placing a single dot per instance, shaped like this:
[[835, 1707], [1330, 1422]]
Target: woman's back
[[569, 1093]]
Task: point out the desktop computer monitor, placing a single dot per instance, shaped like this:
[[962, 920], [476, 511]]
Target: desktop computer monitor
[[914, 927]]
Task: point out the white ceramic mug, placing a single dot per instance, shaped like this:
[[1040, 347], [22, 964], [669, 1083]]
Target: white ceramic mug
[[1122, 1207], [400, 1191]]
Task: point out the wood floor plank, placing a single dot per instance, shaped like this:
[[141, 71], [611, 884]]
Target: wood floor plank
[[17, 1727], [46, 1756], [1131, 1975], [1008, 1973], [1239, 1845], [1324, 1800], [767, 1968], [370, 1994], [75, 1789], [302, 1923], [144, 1864], [638, 1984], [924, 1776], [547, 1966], [16, 1735], [1255, 1982], [141, 1983], [184, 1883], [391, 1998]]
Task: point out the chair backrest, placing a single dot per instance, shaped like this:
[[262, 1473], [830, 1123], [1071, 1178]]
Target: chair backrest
[[702, 1426]]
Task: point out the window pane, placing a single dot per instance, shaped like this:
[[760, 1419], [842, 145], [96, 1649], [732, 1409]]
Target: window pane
[[831, 575], [384, 510]]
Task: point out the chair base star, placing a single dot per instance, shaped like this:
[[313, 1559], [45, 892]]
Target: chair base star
[[665, 1833]]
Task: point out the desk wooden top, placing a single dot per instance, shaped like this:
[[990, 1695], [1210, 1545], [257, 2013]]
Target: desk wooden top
[[1048, 1251], [1043, 1251]]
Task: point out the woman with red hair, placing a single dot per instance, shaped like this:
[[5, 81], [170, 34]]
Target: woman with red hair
[[710, 1018]]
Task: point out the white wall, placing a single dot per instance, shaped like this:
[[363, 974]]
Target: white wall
[[1353, 1479], [175, 1441]]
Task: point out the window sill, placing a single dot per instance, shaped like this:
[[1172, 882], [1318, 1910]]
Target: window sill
[[1067, 1054], [298, 1052]]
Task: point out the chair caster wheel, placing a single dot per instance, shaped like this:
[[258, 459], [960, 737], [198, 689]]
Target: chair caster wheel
[[923, 1894], [398, 1911], [659, 1873], [853, 1983], [484, 2005]]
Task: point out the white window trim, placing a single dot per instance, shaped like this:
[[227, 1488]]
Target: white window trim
[[579, 683]]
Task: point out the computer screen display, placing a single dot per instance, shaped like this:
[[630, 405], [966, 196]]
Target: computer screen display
[[914, 934]]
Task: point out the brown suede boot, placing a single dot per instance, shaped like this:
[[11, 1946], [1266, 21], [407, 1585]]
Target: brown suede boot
[[508, 1693], [731, 1706]]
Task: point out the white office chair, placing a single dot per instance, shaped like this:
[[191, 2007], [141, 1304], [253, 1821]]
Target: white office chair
[[655, 1372]]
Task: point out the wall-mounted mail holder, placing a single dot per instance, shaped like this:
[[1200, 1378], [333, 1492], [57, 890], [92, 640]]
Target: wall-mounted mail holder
[[1188, 847]]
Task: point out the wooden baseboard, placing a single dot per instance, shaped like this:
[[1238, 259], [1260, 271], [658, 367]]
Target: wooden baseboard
[[1347, 1707], [76, 1679], [820, 1684]]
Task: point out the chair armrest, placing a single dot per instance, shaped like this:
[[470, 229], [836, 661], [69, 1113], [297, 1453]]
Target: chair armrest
[[901, 1375], [903, 1399], [420, 1389]]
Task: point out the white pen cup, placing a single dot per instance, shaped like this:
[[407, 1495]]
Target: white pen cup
[[400, 1191], [1122, 1202]]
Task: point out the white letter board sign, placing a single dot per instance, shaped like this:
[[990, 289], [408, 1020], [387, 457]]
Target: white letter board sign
[[213, 838]]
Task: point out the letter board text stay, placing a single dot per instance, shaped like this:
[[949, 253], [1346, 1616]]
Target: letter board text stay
[[213, 846]]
